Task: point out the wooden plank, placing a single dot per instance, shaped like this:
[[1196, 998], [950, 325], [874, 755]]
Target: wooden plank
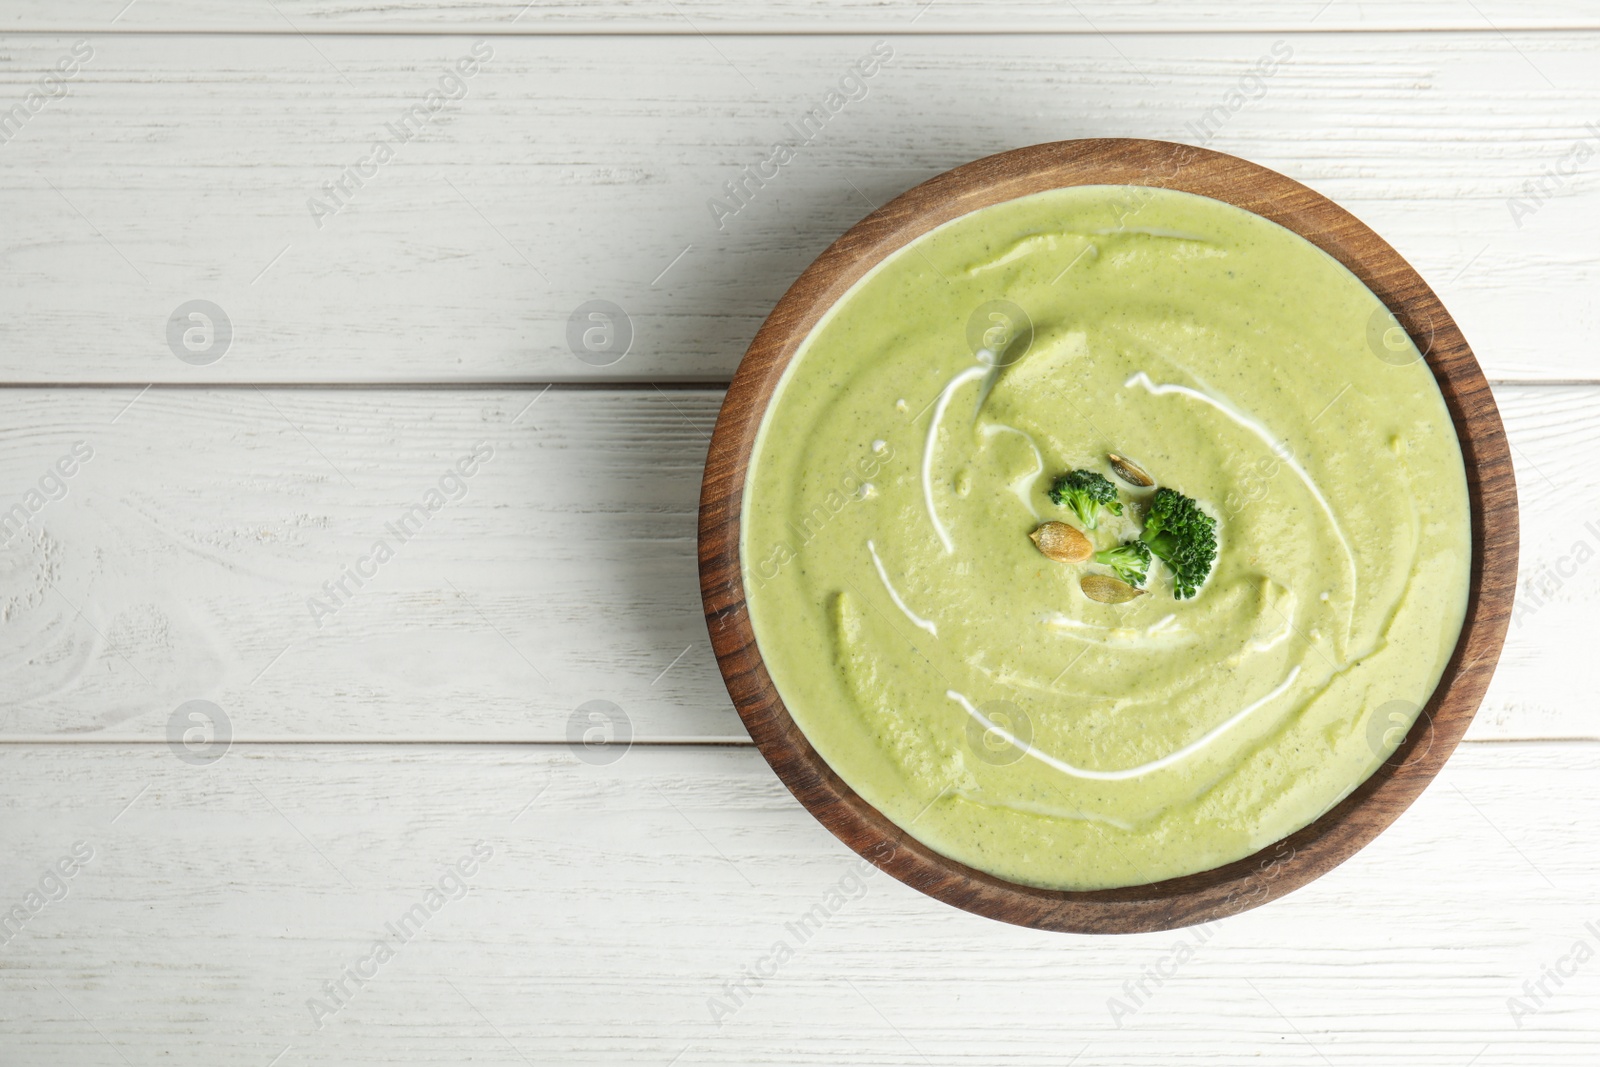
[[791, 16], [220, 899], [194, 539], [180, 563], [581, 168]]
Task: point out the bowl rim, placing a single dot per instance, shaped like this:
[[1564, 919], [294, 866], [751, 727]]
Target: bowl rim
[[1288, 863]]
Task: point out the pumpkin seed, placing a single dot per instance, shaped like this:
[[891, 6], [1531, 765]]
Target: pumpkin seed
[[1108, 590], [1062, 543], [1129, 471]]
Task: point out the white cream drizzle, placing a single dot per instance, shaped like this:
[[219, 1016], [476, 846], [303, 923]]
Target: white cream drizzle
[[1021, 486], [1271, 641], [1161, 634], [1132, 772], [916, 619], [939, 406], [1143, 379]]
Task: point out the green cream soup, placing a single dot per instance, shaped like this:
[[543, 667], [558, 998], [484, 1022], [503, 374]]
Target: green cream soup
[[962, 682]]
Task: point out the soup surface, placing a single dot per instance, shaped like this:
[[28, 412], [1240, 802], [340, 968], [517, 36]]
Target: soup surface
[[961, 681]]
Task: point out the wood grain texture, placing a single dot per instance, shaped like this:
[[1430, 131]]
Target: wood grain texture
[[576, 541], [1297, 859], [625, 896], [793, 16], [182, 562], [581, 168]]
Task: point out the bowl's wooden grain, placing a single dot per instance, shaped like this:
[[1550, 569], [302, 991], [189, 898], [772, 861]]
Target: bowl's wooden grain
[[1298, 858]]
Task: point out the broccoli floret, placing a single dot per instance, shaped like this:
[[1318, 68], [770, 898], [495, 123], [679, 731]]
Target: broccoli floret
[[1086, 492], [1131, 561], [1183, 537]]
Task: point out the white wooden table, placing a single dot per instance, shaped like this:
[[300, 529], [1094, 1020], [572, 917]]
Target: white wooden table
[[231, 865]]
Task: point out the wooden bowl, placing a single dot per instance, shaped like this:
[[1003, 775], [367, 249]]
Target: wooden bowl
[[1298, 858]]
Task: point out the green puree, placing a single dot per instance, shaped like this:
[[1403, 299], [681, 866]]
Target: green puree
[[960, 681]]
